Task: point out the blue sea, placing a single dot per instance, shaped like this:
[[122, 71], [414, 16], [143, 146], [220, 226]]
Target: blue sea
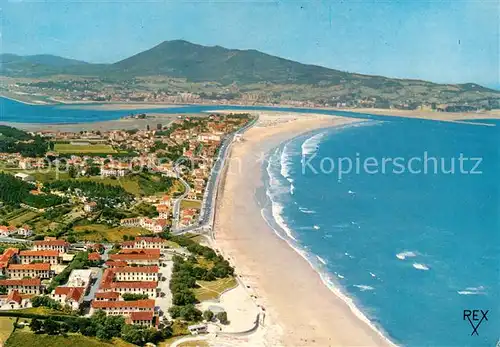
[[409, 236]]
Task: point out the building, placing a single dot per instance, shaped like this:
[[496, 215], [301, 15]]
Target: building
[[110, 283], [24, 177], [141, 318], [7, 231], [137, 273], [197, 329], [79, 278], [90, 207], [14, 301], [72, 296], [26, 286], [123, 308], [94, 256], [51, 257], [145, 243], [107, 296], [9, 256], [137, 259], [51, 245], [40, 270], [25, 231]]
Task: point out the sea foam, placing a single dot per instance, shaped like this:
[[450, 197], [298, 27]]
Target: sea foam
[[420, 266], [406, 254]]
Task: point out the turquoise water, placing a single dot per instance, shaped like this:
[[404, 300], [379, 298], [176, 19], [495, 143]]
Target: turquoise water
[[411, 250]]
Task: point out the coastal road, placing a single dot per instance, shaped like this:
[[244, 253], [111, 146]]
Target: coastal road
[[177, 203], [207, 212]]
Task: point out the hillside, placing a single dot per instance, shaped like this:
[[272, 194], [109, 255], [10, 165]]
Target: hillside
[[216, 73]]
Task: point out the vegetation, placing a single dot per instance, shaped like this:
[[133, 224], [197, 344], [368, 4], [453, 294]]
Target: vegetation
[[6, 328], [80, 261], [132, 297], [13, 140], [209, 290], [90, 148], [14, 192], [103, 194]]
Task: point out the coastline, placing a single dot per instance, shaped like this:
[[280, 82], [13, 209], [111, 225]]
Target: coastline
[[297, 298]]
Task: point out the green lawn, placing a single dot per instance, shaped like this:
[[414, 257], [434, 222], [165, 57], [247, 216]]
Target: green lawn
[[45, 175], [24, 337], [39, 310], [129, 183], [22, 218], [90, 148], [6, 327], [210, 290], [190, 204], [101, 232]]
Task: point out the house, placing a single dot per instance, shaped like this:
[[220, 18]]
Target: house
[[25, 231], [90, 206], [111, 263], [51, 245], [24, 177], [163, 211], [149, 242], [7, 231], [137, 273], [80, 278], [109, 283], [10, 255], [14, 301], [72, 296], [51, 257], [40, 270], [141, 318], [26, 286], [107, 296], [208, 137], [123, 308], [94, 256]]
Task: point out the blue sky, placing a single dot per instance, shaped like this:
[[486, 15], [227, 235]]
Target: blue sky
[[442, 41]]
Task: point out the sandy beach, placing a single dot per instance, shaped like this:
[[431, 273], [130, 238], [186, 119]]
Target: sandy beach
[[428, 114], [300, 309]]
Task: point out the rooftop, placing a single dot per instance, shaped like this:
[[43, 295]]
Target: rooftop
[[36, 266], [146, 303]]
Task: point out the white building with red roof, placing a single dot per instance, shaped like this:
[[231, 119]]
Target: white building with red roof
[[28, 257], [41, 270], [51, 245], [25, 286], [72, 296]]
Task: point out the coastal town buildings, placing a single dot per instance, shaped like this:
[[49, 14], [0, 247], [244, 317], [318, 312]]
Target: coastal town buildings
[[40, 270], [52, 257]]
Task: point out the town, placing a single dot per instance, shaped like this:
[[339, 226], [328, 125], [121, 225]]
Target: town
[[102, 231]]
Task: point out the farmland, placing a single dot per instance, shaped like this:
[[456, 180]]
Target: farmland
[[83, 148]]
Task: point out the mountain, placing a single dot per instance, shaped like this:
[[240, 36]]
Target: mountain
[[200, 63], [220, 73]]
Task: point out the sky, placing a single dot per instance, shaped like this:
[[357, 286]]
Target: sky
[[453, 41]]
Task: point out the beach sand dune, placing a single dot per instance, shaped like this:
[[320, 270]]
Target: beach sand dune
[[300, 309]]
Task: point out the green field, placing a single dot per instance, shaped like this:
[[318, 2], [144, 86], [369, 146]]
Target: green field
[[129, 183], [102, 233], [90, 148], [6, 327], [22, 218], [210, 290], [24, 337], [190, 204]]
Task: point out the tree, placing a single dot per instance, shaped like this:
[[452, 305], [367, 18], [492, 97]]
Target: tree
[[35, 325], [3, 290], [208, 315], [222, 317], [72, 171], [132, 334], [50, 326]]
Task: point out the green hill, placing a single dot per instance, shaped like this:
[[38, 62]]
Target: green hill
[[220, 73]]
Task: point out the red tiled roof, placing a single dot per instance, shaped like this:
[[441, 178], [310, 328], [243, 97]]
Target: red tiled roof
[[94, 256], [107, 295], [128, 244], [144, 315], [7, 254], [39, 253], [36, 266], [146, 303], [73, 293], [14, 296], [154, 251], [119, 263], [142, 269], [25, 282], [134, 256]]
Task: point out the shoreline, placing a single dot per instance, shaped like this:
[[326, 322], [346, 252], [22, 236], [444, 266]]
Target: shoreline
[[123, 106], [259, 252]]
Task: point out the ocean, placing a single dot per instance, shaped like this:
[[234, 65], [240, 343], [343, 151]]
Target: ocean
[[409, 236], [408, 249]]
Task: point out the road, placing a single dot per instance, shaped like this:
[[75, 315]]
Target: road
[[177, 203], [95, 286], [207, 212]]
